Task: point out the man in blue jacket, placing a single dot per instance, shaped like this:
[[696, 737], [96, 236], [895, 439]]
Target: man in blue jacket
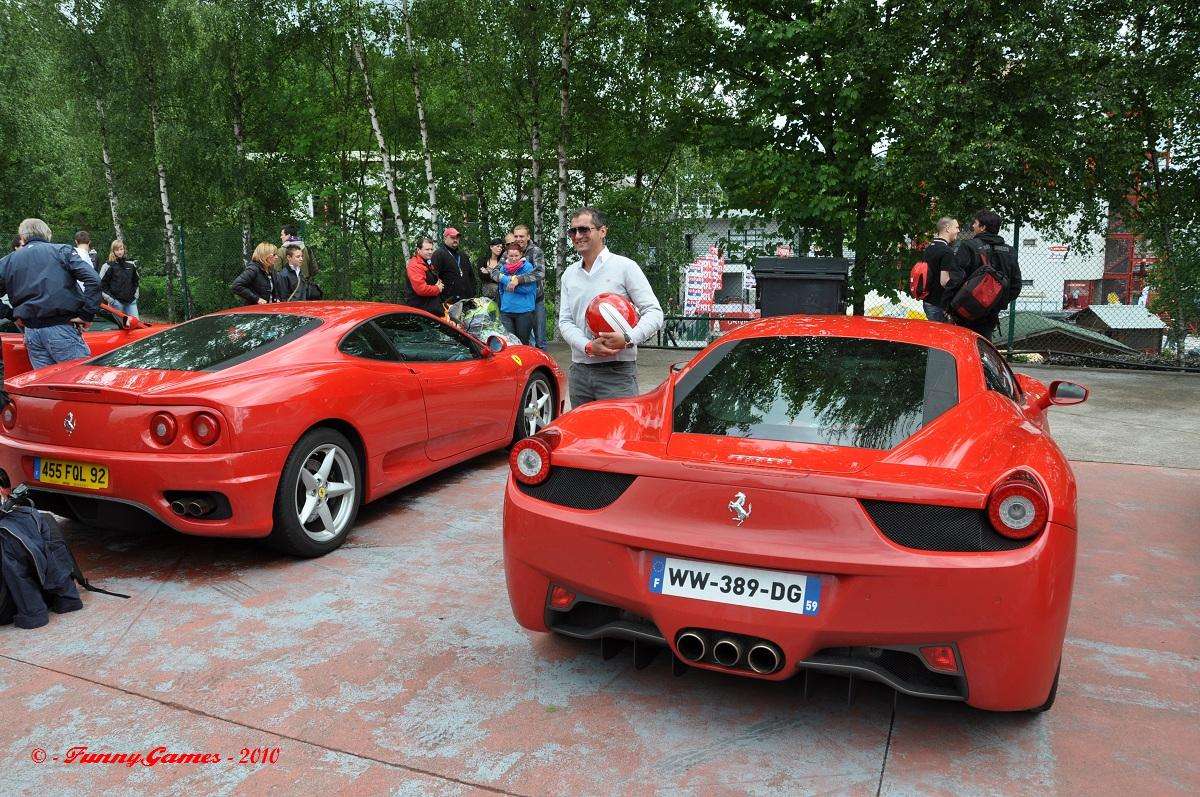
[[42, 281]]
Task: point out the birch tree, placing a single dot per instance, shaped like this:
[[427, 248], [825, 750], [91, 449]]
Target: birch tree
[[430, 184], [389, 175], [564, 129]]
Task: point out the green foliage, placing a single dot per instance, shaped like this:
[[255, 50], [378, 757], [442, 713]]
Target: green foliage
[[851, 123]]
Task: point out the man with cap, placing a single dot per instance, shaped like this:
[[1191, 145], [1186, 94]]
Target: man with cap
[[455, 269]]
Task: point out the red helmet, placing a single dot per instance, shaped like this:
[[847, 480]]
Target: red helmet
[[611, 312]]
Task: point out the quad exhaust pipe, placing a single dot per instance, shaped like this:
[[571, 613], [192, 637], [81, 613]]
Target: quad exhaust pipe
[[179, 507]]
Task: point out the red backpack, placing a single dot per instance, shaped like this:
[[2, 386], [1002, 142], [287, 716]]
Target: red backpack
[[986, 291], [918, 280]]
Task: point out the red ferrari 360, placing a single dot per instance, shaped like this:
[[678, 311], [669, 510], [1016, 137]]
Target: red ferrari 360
[[872, 497], [277, 420], [109, 329]]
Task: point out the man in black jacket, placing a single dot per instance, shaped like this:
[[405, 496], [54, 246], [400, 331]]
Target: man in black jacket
[[454, 268], [986, 228], [942, 267], [290, 284], [43, 282]]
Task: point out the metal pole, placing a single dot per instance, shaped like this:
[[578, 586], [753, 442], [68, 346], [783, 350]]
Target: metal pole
[[1012, 306]]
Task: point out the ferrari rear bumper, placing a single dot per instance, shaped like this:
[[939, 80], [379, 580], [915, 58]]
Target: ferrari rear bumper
[[147, 482], [1003, 613]]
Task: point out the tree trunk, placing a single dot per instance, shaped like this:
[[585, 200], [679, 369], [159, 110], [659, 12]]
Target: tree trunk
[[389, 177], [532, 74], [109, 177], [485, 222], [564, 74], [858, 283], [239, 144], [416, 84], [170, 262]]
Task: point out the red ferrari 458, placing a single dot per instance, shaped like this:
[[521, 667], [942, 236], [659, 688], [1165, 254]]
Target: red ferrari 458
[[276, 420], [873, 497]]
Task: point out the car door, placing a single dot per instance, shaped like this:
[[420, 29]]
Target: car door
[[391, 415], [470, 395]]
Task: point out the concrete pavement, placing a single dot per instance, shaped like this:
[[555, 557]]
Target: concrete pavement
[[393, 666]]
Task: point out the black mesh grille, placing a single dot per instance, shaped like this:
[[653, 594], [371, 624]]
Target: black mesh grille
[[579, 489], [938, 528]]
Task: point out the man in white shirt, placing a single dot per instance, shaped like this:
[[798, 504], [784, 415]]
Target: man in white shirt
[[602, 366]]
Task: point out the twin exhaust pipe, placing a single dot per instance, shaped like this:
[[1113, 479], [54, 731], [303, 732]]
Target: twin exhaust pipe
[[762, 657], [193, 507]]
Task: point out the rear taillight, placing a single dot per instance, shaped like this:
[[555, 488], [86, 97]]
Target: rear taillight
[[10, 416], [206, 428], [530, 458], [163, 428], [1017, 508], [940, 658]]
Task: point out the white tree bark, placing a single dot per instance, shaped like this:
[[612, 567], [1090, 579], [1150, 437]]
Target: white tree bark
[[564, 73], [109, 177], [170, 262], [431, 186], [535, 147], [239, 144], [389, 176]]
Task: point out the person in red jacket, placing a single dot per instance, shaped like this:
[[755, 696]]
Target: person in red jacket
[[424, 286]]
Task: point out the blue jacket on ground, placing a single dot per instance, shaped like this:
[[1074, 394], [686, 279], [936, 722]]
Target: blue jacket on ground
[[40, 280], [35, 569], [524, 298]]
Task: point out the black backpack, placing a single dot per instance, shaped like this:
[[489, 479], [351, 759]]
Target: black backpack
[[992, 286]]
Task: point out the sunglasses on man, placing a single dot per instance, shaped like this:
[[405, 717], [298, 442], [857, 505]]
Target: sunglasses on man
[[573, 232]]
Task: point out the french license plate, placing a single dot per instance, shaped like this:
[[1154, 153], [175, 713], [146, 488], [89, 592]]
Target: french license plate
[[72, 474], [742, 586]]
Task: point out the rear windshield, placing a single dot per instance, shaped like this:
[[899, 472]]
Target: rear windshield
[[834, 391], [210, 343]]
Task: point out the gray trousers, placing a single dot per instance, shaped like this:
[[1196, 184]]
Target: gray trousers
[[935, 313], [602, 381]]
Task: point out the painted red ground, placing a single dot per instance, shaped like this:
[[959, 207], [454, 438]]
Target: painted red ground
[[393, 665]]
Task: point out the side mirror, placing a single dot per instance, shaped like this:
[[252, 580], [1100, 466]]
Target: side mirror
[[1065, 393], [496, 344]]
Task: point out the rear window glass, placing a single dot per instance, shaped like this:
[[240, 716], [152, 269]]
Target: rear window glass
[[833, 391], [210, 343]]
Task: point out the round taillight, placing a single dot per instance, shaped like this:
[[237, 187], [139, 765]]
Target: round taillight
[[163, 428], [530, 461], [10, 415], [1017, 509], [206, 428]]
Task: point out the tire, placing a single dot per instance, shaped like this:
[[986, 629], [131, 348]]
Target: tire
[[303, 490], [537, 407], [1053, 693]]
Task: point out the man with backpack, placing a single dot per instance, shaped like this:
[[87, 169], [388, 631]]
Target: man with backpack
[[988, 278], [940, 268]]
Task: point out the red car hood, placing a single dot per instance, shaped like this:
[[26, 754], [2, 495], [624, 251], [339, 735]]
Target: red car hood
[[85, 382], [633, 435]]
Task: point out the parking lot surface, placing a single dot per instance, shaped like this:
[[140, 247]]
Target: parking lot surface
[[393, 665]]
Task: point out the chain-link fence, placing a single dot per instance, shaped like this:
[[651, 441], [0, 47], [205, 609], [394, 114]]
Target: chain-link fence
[[1079, 304]]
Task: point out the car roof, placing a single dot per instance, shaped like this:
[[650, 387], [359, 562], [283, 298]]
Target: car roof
[[325, 310], [948, 337]]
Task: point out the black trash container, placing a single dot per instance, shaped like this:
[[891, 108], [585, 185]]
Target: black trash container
[[791, 285]]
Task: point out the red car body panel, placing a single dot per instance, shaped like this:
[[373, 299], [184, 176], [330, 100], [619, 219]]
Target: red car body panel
[[264, 406], [99, 341], [1005, 611]]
